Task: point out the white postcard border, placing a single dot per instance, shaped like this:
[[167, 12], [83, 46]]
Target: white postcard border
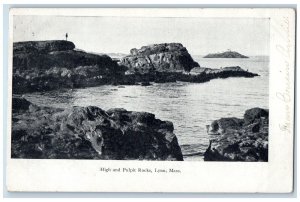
[[275, 176]]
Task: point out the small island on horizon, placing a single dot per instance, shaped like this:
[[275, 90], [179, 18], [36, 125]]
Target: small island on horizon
[[226, 54]]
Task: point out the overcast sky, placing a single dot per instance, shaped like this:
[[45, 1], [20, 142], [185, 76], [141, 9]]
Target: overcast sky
[[200, 36]]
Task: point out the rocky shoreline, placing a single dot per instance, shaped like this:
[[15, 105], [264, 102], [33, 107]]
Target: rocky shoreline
[[117, 134], [48, 65], [90, 133], [233, 139]]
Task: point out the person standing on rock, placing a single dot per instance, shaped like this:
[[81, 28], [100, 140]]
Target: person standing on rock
[[207, 126], [66, 36]]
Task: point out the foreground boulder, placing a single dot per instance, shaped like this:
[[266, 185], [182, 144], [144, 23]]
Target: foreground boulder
[[90, 133], [167, 57], [234, 139], [48, 65]]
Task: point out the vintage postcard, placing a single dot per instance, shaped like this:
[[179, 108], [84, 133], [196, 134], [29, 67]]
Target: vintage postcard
[[151, 100]]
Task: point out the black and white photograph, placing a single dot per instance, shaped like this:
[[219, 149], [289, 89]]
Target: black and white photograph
[[147, 97], [134, 88]]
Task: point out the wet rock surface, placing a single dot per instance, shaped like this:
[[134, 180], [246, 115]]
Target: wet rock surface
[[234, 139], [90, 133]]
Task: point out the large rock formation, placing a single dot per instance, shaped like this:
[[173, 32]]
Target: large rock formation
[[234, 139], [167, 57], [226, 54], [47, 65], [171, 62], [90, 133]]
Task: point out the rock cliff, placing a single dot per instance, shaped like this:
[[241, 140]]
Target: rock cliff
[[90, 133], [167, 57], [47, 65], [234, 139]]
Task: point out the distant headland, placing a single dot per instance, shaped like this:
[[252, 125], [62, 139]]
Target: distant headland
[[226, 54]]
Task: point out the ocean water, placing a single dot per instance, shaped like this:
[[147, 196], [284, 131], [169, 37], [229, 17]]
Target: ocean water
[[190, 106]]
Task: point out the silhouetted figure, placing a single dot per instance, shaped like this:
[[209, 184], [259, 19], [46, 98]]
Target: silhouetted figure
[[207, 129], [66, 36]]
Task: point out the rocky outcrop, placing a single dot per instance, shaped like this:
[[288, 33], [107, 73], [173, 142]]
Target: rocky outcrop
[[224, 72], [167, 57], [195, 76], [42, 46], [47, 65], [90, 133], [171, 62], [226, 54], [234, 139]]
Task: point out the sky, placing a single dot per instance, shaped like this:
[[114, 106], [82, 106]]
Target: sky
[[248, 36]]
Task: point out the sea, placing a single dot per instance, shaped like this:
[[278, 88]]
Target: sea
[[190, 106]]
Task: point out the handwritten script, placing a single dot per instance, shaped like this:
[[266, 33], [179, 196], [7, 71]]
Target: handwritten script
[[284, 48]]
